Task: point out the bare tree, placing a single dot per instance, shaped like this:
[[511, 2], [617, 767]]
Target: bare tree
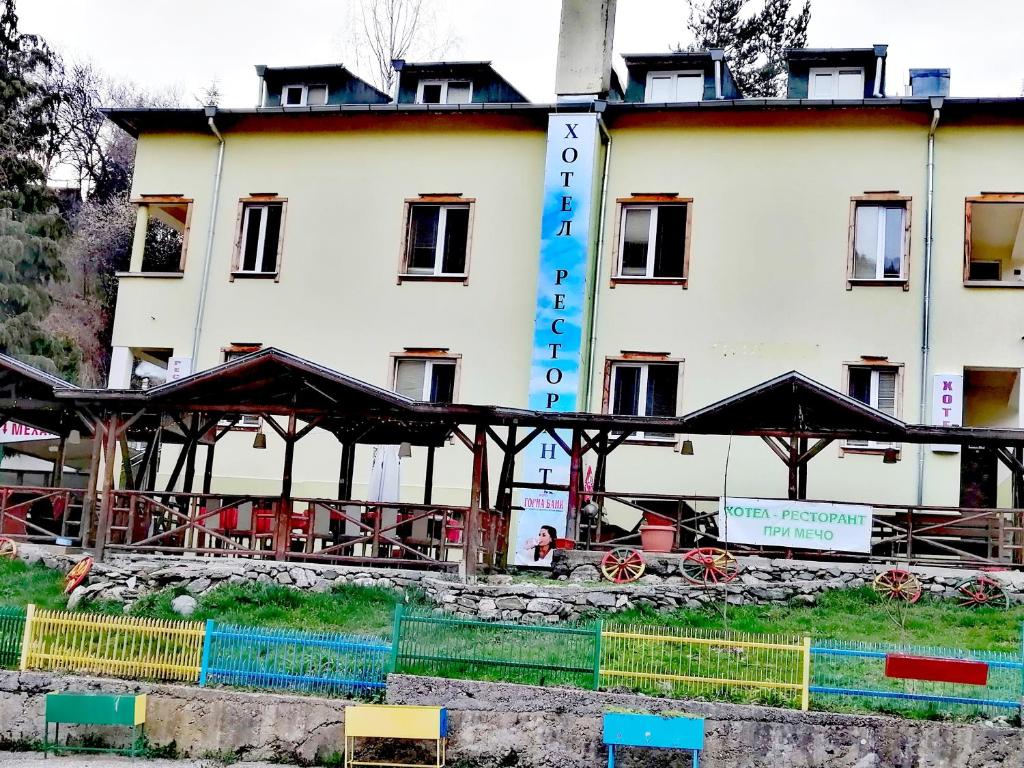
[[380, 31]]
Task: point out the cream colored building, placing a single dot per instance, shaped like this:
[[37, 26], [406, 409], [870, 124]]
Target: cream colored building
[[396, 240]]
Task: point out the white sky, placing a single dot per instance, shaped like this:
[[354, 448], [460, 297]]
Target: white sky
[[187, 43]]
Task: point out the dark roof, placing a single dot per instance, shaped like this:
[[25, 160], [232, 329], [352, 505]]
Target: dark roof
[[326, 71], [672, 57], [793, 403], [457, 68], [816, 54], [27, 395]]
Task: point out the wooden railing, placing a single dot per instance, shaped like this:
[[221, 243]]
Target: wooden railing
[[910, 533], [42, 515], [301, 529]]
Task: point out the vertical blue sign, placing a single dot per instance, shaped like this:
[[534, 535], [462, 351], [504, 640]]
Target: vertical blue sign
[[558, 340]]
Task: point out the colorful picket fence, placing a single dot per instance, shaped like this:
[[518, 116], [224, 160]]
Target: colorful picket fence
[[120, 646], [917, 680], [12, 628], [427, 643], [313, 662], [689, 662]]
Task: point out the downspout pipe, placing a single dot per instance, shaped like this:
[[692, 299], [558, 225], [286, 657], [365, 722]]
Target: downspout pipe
[[197, 329], [926, 301], [595, 289]]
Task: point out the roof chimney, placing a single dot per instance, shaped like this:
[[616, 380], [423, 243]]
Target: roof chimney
[[585, 49], [929, 82]]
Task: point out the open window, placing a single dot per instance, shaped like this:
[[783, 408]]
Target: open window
[[674, 86], [430, 377], [836, 83], [638, 386], [994, 240], [301, 95], [878, 386], [437, 236], [654, 240], [260, 237], [149, 367], [161, 235], [444, 92], [879, 241]]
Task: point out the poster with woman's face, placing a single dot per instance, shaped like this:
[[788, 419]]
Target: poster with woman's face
[[536, 533]]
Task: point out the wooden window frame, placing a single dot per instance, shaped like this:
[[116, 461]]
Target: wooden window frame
[[991, 198], [675, 73], [874, 198], [236, 258], [874, 363], [158, 200], [648, 201], [426, 354], [444, 83], [642, 358], [442, 200]]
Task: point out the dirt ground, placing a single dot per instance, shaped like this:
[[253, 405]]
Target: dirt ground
[[35, 760]]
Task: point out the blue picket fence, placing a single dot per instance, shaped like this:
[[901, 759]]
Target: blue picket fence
[[854, 673], [312, 662]]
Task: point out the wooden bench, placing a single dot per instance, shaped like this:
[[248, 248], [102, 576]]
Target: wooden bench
[[94, 709], [654, 732], [386, 721]]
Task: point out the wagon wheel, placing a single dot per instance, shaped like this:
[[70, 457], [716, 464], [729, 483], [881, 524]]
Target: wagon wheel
[[981, 590], [897, 585], [622, 565], [708, 566], [77, 574], [8, 548]]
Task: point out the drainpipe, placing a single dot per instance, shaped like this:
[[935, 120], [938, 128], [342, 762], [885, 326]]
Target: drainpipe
[[595, 290], [926, 303], [718, 56], [198, 328]]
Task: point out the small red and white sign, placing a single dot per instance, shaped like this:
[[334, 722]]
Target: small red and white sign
[[13, 432]]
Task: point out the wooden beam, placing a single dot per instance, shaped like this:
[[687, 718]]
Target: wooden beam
[[472, 531], [428, 477], [208, 469], [806, 455], [89, 502], [794, 468], [575, 467], [282, 533], [782, 454], [107, 501]]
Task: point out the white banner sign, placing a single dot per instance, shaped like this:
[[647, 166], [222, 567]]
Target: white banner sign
[[178, 368], [947, 405], [13, 432], [795, 524]]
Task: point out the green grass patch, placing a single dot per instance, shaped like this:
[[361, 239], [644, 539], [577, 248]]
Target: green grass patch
[[21, 584]]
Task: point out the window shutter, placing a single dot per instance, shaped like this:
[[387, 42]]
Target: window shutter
[[887, 392], [409, 378]]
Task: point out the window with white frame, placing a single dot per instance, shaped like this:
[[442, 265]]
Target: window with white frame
[[644, 389], [247, 421], [260, 238], [877, 387], [429, 379], [437, 239], [674, 86], [652, 243], [880, 240], [444, 92], [836, 83], [303, 95]]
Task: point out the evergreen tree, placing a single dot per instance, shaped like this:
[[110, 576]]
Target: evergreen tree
[[753, 42], [30, 225]]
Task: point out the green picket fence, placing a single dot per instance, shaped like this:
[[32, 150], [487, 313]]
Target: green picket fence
[[12, 627], [425, 643]]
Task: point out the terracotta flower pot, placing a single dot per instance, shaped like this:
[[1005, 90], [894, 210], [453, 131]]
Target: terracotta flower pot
[[657, 538]]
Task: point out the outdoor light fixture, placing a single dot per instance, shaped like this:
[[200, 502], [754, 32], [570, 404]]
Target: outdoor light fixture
[[405, 450], [74, 437], [590, 510], [260, 441], [687, 448], [891, 456]]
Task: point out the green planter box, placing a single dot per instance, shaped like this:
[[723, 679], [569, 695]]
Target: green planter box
[[94, 709]]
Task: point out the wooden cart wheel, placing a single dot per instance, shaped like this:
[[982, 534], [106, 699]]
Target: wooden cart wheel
[[982, 590], [709, 566], [622, 565], [77, 574], [897, 585], [8, 548]]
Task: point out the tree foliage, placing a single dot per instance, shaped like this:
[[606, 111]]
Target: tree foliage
[[31, 227], [754, 41]]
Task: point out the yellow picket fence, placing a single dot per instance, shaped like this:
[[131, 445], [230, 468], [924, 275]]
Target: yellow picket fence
[[766, 669], [119, 646]]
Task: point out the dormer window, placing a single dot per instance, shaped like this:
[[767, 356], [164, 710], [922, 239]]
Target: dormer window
[[303, 95], [674, 86], [444, 92], [836, 83]]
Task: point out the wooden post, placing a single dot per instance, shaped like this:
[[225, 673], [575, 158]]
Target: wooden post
[[794, 466], [575, 463], [190, 459], [208, 469], [154, 459], [344, 491], [107, 502], [802, 473], [471, 532], [282, 533], [428, 478], [57, 476], [89, 501]]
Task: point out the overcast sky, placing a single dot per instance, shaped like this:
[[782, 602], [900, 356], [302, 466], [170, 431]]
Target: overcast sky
[[188, 43]]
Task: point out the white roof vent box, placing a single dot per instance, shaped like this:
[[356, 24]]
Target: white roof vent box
[[929, 82]]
